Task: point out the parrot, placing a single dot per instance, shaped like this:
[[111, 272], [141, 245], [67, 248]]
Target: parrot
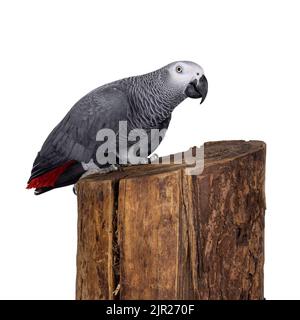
[[145, 102]]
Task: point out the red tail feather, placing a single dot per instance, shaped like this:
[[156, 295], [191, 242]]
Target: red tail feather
[[48, 179]]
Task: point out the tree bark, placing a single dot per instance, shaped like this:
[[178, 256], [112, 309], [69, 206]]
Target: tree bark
[[155, 232]]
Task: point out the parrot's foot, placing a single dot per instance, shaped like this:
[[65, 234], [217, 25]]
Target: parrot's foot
[[154, 157], [151, 159], [95, 170]]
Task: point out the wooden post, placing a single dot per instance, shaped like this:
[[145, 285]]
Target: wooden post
[[154, 232]]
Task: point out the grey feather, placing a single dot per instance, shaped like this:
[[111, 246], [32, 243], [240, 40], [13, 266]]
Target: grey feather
[[145, 102], [74, 138]]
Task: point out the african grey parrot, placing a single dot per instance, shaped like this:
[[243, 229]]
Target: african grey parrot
[[145, 102]]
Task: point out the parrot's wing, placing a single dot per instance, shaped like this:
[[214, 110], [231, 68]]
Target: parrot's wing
[[74, 138]]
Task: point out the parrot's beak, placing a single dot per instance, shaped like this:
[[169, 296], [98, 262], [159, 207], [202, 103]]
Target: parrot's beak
[[197, 89]]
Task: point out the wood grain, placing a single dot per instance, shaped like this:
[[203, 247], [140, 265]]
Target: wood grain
[[154, 232], [95, 277]]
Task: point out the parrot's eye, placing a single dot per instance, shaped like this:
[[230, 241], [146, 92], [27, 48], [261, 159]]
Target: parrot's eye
[[179, 69]]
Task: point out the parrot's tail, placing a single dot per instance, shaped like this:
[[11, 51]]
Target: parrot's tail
[[38, 191], [61, 176]]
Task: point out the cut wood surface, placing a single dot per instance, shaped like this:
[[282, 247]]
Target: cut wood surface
[[155, 232]]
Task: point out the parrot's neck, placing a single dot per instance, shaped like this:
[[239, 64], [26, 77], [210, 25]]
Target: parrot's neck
[[151, 100]]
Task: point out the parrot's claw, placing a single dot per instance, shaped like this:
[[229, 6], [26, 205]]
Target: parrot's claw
[[149, 160], [143, 161], [94, 171], [153, 158], [75, 189], [114, 167]]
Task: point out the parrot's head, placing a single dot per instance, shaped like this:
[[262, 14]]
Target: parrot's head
[[189, 78]]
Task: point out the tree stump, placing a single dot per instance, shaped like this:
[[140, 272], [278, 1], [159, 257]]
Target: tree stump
[[154, 232]]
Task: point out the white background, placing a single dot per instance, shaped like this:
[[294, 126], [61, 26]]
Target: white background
[[54, 52]]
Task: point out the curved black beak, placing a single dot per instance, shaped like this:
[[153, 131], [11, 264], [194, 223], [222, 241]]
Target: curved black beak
[[197, 89]]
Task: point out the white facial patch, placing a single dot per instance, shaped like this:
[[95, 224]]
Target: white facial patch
[[181, 73]]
